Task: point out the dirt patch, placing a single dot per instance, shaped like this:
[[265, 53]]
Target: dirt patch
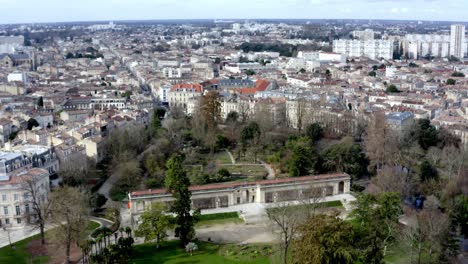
[[36, 249], [237, 233], [55, 252]]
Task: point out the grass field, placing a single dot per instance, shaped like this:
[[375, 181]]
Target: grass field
[[91, 226], [399, 253], [20, 255], [219, 218], [222, 158], [172, 253]]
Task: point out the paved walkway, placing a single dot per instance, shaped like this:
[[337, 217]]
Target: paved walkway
[[17, 234], [271, 171], [257, 228], [233, 160], [107, 186]]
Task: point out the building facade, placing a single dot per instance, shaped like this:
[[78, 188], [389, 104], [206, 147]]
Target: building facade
[[373, 49], [16, 207], [234, 193], [457, 41]]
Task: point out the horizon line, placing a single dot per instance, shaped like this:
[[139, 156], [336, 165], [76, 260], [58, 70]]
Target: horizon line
[[233, 19]]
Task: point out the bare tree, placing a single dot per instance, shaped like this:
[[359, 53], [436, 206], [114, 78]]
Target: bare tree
[[452, 157], [70, 213], [77, 169], [434, 224], [243, 110], [392, 179], [36, 199], [434, 155], [301, 105], [375, 140], [288, 217], [425, 231]]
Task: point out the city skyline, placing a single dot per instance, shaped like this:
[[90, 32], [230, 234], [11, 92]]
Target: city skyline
[[27, 11]]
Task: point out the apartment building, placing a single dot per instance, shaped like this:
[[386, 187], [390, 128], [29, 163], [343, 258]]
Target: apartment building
[[373, 49], [180, 94]]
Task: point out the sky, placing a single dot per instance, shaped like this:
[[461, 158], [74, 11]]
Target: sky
[[34, 11]]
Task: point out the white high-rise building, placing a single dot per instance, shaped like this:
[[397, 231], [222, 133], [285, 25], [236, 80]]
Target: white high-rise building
[[457, 40], [374, 49]]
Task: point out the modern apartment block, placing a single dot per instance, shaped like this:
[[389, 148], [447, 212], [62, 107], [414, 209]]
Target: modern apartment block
[[373, 49], [457, 41]]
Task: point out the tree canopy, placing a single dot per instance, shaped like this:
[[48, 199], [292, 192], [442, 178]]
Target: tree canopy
[[154, 223]]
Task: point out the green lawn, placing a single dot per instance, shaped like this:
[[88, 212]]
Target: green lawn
[[399, 253], [20, 255], [172, 253], [222, 158], [91, 226], [219, 218]]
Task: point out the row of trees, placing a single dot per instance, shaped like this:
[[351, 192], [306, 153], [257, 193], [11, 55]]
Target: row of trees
[[67, 209]]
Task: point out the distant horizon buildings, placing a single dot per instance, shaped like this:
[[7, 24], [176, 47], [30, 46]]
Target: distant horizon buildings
[[457, 41]]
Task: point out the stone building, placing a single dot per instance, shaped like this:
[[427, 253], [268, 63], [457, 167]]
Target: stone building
[[16, 209], [235, 193]]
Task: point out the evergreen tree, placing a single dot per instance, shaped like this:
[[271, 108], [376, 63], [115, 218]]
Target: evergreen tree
[[40, 102], [177, 183], [314, 131]]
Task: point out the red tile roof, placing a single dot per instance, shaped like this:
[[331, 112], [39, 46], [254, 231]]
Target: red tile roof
[[184, 86], [260, 85], [231, 185]]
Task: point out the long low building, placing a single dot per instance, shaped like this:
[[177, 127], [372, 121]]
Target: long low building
[[234, 193]]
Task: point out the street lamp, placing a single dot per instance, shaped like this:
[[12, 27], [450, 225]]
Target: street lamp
[[9, 238]]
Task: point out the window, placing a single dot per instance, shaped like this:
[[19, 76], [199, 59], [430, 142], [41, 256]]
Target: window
[[18, 220], [7, 221], [5, 210], [16, 196], [26, 196], [18, 210], [26, 208], [4, 197]]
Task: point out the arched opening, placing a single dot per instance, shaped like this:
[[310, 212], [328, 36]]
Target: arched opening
[[341, 187]]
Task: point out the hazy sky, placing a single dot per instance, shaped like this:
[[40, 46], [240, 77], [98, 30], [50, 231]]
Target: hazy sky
[[20, 11]]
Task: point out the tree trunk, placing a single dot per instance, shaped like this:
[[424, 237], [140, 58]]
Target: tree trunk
[[285, 252], [419, 253], [68, 240], [68, 251], [41, 227]]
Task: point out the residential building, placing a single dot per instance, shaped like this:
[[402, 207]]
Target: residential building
[[180, 94], [6, 129], [16, 209], [399, 120], [373, 49], [457, 41]]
